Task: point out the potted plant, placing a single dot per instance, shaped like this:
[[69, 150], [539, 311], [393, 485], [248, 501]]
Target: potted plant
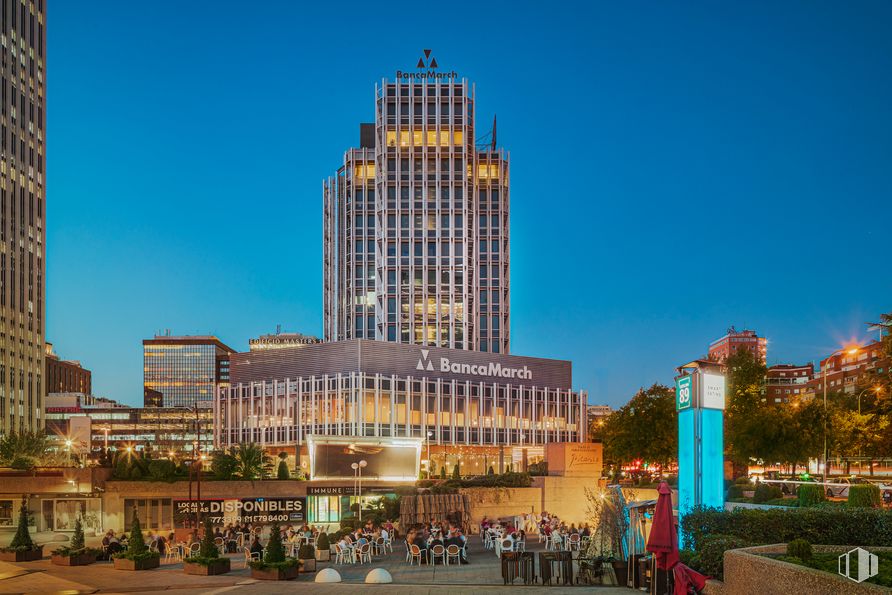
[[323, 548], [76, 554], [22, 548], [275, 566], [307, 556], [137, 556], [208, 561]]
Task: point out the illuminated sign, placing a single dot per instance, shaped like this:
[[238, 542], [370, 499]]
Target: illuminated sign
[[713, 393], [684, 393]]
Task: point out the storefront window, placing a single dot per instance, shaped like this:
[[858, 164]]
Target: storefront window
[[6, 508], [324, 509], [154, 513]]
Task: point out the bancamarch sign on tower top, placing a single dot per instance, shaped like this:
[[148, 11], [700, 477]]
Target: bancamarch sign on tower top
[[426, 70], [494, 369]]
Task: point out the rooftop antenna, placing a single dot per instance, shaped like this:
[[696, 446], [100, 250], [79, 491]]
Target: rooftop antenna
[[278, 329], [494, 132]]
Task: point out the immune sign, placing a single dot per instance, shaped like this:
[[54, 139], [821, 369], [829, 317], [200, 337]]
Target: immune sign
[[221, 511]]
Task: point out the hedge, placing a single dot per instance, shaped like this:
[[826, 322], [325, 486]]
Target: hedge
[[864, 496], [712, 553], [810, 494], [765, 492], [831, 525]]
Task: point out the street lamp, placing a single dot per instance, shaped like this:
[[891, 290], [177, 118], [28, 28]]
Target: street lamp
[[850, 351], [876, 389], [357, 470], [68, 444], [429, 434]]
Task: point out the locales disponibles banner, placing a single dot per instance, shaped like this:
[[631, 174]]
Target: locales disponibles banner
[[221, 511]]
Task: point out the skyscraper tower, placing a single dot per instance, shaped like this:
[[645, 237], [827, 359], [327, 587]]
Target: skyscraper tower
[[22, 195], [415, 222]]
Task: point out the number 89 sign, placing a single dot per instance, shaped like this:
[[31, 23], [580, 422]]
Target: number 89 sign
[[683, 391]]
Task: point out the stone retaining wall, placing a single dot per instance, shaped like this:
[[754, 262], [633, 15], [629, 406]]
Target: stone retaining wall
[[747, 572]]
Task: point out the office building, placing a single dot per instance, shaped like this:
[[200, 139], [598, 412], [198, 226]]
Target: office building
[[66, 376], [416, 222], [734, 340], [468, 408], [279, 340], [22, 205], [785, 383], [186, 370], [93, 423]]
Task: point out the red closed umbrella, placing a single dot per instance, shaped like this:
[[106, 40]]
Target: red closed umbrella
[[663, 540], [663, 543]]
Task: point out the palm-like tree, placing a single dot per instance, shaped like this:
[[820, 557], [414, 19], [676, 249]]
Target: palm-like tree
[[251, 462]]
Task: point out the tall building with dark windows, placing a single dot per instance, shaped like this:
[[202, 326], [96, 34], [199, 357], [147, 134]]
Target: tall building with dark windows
[[186, 371], [415, 222], [22, 196]]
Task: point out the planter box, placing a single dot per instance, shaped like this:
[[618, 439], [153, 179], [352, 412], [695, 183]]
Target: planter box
[[73, 560], [220, 566], [323, 555], [274, 574], [26, 556], [308, 565], [147, 564]]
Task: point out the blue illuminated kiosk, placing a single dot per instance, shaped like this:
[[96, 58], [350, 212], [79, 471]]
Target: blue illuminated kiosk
[[700, 402]]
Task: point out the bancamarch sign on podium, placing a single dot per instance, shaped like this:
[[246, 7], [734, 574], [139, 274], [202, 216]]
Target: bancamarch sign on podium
[[700, 402]]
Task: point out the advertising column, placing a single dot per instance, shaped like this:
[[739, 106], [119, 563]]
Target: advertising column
[[700, 401]]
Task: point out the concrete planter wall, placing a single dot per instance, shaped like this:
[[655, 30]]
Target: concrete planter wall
[[147, 564], [323, 555], [275, 574], [26, 556], [747, 571], [308, 565], [219, 566], [73, 560]]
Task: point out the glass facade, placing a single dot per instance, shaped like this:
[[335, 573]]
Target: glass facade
[[448, 413], [416, 227], [185, 370]]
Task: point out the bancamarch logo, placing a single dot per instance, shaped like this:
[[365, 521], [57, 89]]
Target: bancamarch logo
[[427, 65], [494, 369]]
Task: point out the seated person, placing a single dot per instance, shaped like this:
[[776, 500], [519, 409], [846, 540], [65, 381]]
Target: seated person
[[456, 538], [256, 546]]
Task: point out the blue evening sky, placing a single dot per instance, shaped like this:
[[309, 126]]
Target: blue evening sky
[[676, 168]]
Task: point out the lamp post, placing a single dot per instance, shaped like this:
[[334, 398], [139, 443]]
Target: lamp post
[[851, 351], [357, 469], [429, 434], [68, 450]]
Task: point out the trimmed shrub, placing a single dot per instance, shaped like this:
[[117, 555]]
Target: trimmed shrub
[[322, 542], [275, 551], [830, 525], [456, 472], [765, 492], [712, 553], [743, 480], [810, 494], [282, 472], [864, 496], [306, 552], [800, 549], [734, 491]]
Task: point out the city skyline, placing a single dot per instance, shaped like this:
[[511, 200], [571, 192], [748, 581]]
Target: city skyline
[[156, 238]]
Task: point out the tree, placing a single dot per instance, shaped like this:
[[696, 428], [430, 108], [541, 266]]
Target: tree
[[645, 428], [456, 472], [490, 471], [246, 461], [208, 549], [137, 544], [77, 540], [22, 539], [275, 552], [24, 450], [748, 423], [282, 472]]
